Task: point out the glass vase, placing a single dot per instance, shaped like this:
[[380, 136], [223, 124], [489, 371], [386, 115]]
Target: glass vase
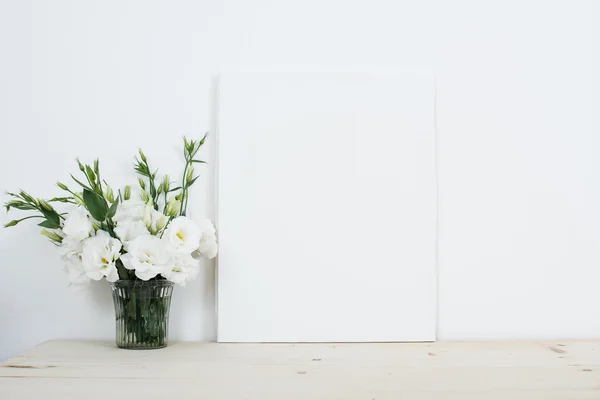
[[142, 313]]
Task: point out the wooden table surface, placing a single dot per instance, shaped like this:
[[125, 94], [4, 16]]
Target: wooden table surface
[[211, 371]]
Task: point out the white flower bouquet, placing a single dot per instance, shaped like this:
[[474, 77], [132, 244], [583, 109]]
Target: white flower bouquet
[[115, 236], [141, 244]]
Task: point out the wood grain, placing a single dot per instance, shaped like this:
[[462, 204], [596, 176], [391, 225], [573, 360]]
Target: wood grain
[[443, 370]]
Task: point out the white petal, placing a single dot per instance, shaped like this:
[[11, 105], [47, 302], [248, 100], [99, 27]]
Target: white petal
[[77, 224], [146, 274], [113, 274], [128, 261], [95, 275], [130, 209]]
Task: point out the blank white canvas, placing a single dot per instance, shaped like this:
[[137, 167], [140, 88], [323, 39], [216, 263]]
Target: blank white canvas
[[326, 207]]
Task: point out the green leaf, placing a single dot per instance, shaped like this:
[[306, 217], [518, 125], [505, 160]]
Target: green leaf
[[199, 161], [49, 224], [81, 184], [190, 183], [95, 205], [24, 207], [174, 189], [203, 139], [113, 209], [90, 173], [51, 215], [141, 168]]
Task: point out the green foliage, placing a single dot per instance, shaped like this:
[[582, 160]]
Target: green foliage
[[19, 205], [90, 174], [62, 200], [102, 203], [49, 224], [52, 220], [190, 150], [95, 204], [25, 202], [113, 209], [84, 186], [142, 167]]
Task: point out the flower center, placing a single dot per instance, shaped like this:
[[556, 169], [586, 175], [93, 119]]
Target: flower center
[[104, 260], [180, 235]]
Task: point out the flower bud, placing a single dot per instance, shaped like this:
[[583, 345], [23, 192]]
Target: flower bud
[[45, 205], [51, 235], [81, 167], [26, 197], [145, 196], [161, 222], [96, 166], [173, 207], [142, 155], [127, 194], [11, 223], [14, 203], [90, 173], [142, 184], [166, 183], [110, 196], [160, 189], [190, 174], [62, 186]]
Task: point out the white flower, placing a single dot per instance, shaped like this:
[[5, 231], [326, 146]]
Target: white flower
[[148, 256], [78, 224], [99, 255], [130, 209], [155, 220], [70, 250], [183, 235], [208, 246], [70, 247], [76, 274], [183, 268], [129, 229]]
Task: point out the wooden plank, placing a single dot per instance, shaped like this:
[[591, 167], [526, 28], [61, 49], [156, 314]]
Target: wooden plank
[[443, 370]]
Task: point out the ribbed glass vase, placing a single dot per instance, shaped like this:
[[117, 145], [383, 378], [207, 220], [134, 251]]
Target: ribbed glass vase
[[142, 313]]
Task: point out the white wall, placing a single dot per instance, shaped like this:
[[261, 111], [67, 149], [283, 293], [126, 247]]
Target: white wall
[[519, 178]]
